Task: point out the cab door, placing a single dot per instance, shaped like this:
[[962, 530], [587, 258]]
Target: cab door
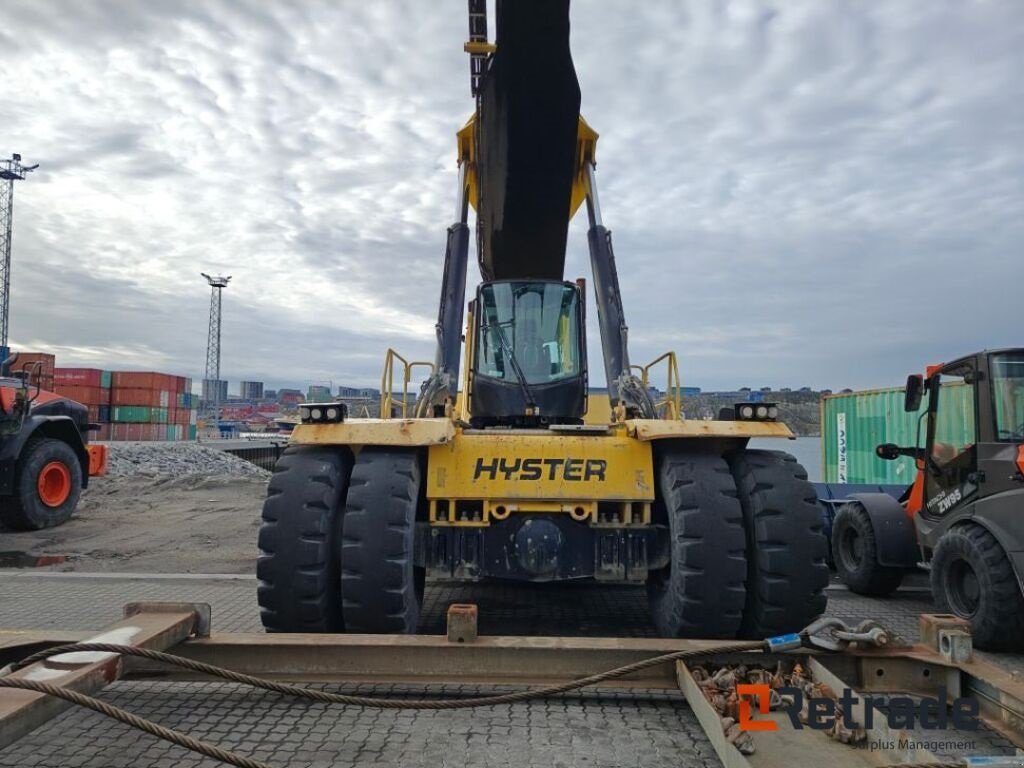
[[951, 463]]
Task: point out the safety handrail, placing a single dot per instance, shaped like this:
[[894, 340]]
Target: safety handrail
[[671, 405], [387, 382]]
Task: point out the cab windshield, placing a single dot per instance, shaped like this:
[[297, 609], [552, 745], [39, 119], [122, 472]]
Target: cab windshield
[[532, 326], [1008, 395]]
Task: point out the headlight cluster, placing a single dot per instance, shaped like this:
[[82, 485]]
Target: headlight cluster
[[323, 413], [756, 412]]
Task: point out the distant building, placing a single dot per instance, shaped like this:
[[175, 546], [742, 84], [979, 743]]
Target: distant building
[[210, 390], [318, 394], [352, 392], [766, 389], [252, 390], [689, 391], [270, 394]]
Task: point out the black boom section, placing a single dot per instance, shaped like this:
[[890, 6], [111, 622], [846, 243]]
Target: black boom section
[[528, 114]]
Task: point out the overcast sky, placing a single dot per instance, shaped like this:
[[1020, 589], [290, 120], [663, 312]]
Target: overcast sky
[[816, 193]]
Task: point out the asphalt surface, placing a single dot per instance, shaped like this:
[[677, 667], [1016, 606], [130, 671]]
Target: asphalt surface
[[592, 729]]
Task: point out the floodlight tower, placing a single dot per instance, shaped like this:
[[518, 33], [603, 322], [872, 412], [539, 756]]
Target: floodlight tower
[[212, 380], [10, 171]]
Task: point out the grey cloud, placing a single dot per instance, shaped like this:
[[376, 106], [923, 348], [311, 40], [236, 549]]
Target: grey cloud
[[801, 193]]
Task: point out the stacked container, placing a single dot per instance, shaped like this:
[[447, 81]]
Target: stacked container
[[41, 375], [88, 386], [151, 406]]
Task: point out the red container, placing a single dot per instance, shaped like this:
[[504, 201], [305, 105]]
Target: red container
[[79, 377], [147, 397], [136, 380], [86, 395], [27, 361], [103, 433]]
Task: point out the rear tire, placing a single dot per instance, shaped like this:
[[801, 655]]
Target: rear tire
[[47, 486], [855, 551], [299, 540], [701, 593], [786, 569], [380, 585], [972, 578]]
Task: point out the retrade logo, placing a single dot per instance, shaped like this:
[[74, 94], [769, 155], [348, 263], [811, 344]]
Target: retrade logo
[[821, 711]]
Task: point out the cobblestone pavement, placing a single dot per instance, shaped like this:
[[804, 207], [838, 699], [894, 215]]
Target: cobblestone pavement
[[595, 728]]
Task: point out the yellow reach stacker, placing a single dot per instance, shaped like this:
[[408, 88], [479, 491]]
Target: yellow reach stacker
[[500, 474]]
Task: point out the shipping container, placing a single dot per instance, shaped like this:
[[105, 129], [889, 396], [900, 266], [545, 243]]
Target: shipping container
[[132, 414], [86, 395], [82, 377], [136, 380], [104, 414], [854, 423], [192, 430], [134, 396]]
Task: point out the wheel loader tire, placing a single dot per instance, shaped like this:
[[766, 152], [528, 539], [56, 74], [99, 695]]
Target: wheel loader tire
[[855, 551], [380, 586], [972, 578], [47, 486], [786, 569], [701, 593], [299, 541]]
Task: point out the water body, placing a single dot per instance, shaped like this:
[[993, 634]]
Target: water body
[[807, 451]]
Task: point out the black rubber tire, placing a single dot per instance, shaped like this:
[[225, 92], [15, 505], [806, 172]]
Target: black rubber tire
[[855, 551], [701, 593], [23, 510], [299, 541], [997, 621], [786, 569], [380, 586]]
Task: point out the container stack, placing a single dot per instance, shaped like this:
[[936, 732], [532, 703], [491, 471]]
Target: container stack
[[88, 386], [151, 406], [129, 405], [41, 374]]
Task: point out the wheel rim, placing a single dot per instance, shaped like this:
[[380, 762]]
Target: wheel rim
[[851, 549], [54, 484], [962, 589]]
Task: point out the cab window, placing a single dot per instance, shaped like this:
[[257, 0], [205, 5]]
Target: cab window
[[1008, 396], [955, 427]]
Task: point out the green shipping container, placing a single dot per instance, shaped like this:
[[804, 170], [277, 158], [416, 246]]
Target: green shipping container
[[853, 424], [159, 415], [105, 379], [192, 432], [132, 414]]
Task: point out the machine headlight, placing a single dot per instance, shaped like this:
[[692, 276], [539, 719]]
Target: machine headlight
[[747, 412], [316, 414], [304, 414], [332, 414], [762, 412], [773, 412]]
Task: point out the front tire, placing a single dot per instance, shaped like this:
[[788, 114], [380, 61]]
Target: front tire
[[300, 536], [47, 486], [855, 551], [971, 577], [382, 590], [786, 569], [701, 593]]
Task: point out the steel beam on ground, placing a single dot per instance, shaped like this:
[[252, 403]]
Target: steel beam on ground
[[155, 627]]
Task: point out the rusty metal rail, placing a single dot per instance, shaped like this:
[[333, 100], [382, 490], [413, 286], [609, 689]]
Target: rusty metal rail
[[943, 663]]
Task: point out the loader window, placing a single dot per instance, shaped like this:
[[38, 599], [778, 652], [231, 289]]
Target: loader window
[[954, 417], [1008, 395], [537, 323]]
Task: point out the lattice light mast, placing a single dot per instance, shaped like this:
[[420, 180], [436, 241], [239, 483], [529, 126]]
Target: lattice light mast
[[10, 171], [212, 379]]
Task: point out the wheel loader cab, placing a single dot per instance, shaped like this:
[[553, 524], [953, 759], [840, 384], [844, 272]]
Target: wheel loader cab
[[528, 354]]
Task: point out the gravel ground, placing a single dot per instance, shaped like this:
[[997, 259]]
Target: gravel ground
[[162, 508], [175, 459]]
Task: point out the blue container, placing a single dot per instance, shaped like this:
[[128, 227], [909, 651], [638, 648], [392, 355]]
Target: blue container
[[104, 414]]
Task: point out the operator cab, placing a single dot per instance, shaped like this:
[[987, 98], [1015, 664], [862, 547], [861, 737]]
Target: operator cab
[[529, 355]]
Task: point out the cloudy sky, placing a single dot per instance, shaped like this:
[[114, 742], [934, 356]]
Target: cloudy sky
[[818, 193]]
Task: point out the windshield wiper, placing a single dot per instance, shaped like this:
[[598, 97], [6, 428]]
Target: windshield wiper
[[527, 393]]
